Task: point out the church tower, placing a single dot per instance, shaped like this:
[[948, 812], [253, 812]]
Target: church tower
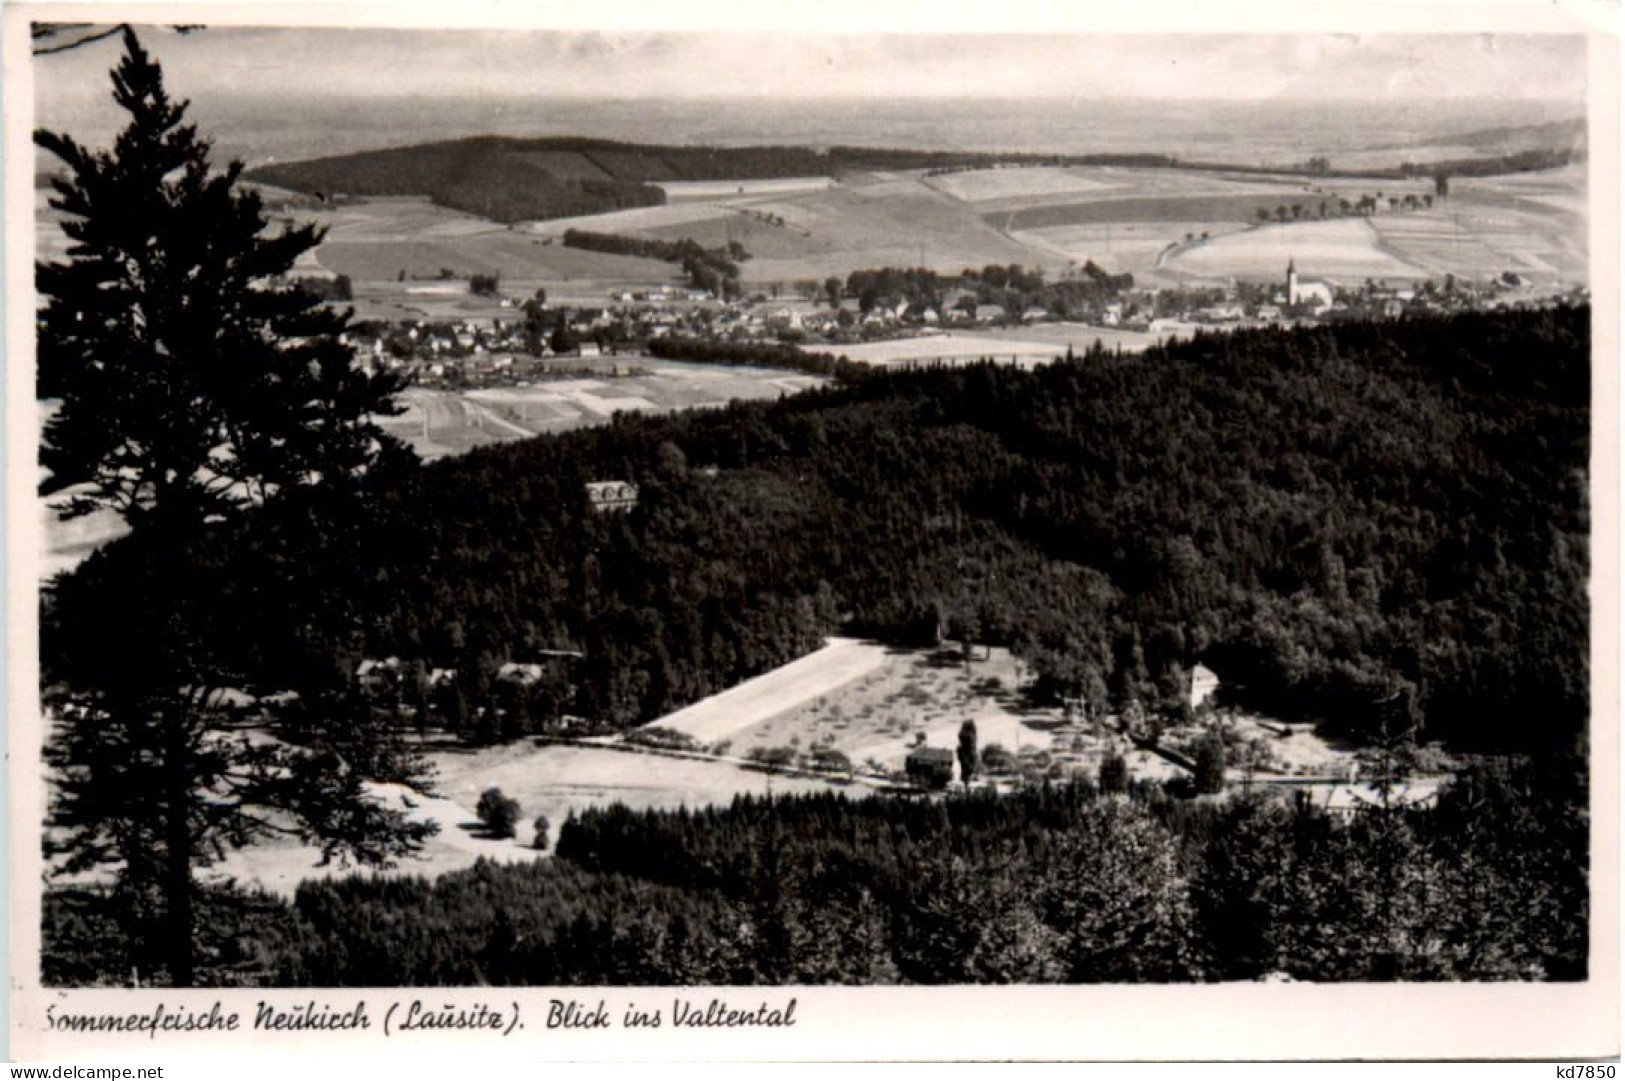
[[1291, 282]]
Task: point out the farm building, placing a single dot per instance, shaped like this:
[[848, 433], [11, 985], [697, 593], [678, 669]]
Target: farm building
[[932, 767], [612, 495]]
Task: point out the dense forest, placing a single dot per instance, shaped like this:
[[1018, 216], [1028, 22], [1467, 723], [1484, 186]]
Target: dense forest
[[713, 269], [1047, 885], [1329, 518], [756, 355]]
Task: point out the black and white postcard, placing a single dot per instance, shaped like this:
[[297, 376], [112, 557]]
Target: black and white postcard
[[643, 534]]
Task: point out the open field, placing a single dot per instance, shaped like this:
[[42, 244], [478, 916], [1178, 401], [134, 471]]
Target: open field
[[441, 422], [633, 221], [1122, 247], [897, 223], [1442, 245], [375, 241], [1347, 249], [1124, 219], [1080, 336], [1037, 343], [682, 191], [67, 542], [546, 780], [555, 780], [511, 255], [812, 227], [886, 220], [1562, 189], [965, 348], [766, 240], [984, 185], [723, 715], [1240, 208], [1119, 184], [875, 703], [280, 864], [391, 218]]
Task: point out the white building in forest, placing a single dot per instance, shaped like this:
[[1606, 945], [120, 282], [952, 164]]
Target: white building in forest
[[1204, 683]]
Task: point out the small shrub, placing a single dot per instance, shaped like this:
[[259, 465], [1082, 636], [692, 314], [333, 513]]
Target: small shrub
[[1210, 759], [497, 813], [772, 757], [541, 826], [996, 760], [829, 760], [1113, 773]]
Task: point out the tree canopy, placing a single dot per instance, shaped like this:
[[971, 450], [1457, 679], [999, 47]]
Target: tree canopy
[[192, 383], [192, 379]]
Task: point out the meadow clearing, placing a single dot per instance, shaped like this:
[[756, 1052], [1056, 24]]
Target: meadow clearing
[[1341, 248], [681, 191], [990, 185], [546, 780], [1001, 346], [1025, 345], [1136, 248], [556, 780], [66, 542], [440, 422], [875, 703], [1078, 336]]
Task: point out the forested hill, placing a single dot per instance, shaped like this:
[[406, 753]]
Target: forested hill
[[521, 179], [1327, 517]]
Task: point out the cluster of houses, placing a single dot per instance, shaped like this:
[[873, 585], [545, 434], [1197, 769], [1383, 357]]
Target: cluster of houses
[[504, 349], [1298, 298], [1337, 785], [483, 350]]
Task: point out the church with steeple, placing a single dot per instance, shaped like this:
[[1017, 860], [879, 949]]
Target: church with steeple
[[1306, 291]]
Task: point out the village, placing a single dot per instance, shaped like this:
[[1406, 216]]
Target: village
[[530, 338]]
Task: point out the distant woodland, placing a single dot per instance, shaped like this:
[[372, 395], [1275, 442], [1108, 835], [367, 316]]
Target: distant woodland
[[523, 179], [1329, 518], [509, 180], [715, 270]]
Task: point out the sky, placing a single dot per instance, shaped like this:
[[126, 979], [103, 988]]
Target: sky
[[448, 63]]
